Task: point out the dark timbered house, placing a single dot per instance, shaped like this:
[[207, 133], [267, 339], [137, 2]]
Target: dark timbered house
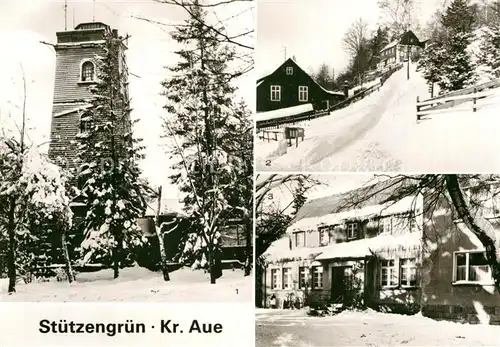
[[289, 85]]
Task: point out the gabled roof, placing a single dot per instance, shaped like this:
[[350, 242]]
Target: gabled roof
[[375, 194], [260, 80]]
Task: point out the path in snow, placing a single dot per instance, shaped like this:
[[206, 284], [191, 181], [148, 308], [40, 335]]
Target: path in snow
[[327, 135], [137, 284], [380, 133], [285, 328]]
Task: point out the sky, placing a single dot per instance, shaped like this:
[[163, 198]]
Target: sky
[[24, 23], [312, 30]]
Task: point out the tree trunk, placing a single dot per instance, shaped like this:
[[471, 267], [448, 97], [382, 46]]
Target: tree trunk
[[116, 260], [248, 247], [163, 253], [69, 269], [161, 240], [11, 251], [116, 264], [211, 267], [481, 227]]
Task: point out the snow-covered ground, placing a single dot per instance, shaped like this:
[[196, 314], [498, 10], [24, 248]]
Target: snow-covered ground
[[137, 284], [380, 133], [286, 328]]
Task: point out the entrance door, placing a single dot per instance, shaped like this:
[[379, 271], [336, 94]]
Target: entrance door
[[340, 283]]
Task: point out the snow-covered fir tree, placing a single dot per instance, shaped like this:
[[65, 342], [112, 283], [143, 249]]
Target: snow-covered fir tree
[[458, 70], [489, 50], [448, 61], [206, 128], [109, 175], [34, 209]]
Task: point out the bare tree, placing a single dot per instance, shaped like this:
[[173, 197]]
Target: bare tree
[[399, 14], [355, 43]]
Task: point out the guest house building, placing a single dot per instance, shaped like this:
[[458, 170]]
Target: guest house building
[[405, 256]]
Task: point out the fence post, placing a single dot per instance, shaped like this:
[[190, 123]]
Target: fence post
[[474, 108], [418, 108]]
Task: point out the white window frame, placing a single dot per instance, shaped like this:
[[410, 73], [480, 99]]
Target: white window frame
[[354, 229], [303, 274], [324, 231], [296, 235], [275, 278], [275, 92], [317, 277], [94, 77], [286, 278], [467, 280], [391, 270], [410, 269], [303, 93], [289, 70], [387, 225]]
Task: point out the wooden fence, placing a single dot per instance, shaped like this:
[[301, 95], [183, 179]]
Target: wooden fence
[[457, 97], [277, 123]]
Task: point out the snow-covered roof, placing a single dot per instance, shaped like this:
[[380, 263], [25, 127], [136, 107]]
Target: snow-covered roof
[[284, 112], [95, 42], [366, 247], [331, 92], [280, 250], [383, 244], [390, 45], [376, 194], [77, 109], [404, 205]]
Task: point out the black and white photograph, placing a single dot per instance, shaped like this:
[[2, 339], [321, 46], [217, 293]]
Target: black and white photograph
[[377, 85], [377, 260], [126, 151]]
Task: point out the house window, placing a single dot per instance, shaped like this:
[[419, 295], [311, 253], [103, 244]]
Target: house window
[[352, 231], [274, 279], [287, 278], [317, 277], [386, 225], [275, 93], [303, 277], [289, 70], [388, 274], [85, 123], [300, 239], [303, 93], [472, 267], [408, 272], [88, 71], [324, 236]]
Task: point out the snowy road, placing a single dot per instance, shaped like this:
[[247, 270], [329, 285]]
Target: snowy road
[[380, 133], [293, 328]]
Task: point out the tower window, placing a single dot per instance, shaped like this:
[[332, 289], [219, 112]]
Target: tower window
[[88, 71]]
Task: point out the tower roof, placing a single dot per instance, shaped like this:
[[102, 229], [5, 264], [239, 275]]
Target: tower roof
[[92, 26]]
